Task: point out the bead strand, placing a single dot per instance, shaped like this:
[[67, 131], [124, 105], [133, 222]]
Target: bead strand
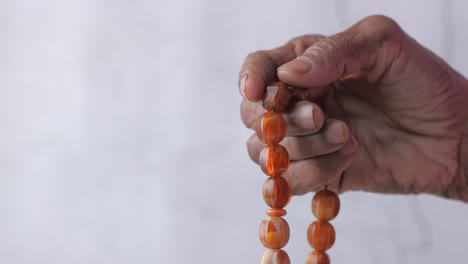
[[321, 234], [274, 161]]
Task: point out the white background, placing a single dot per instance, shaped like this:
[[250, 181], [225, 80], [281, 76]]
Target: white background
[[121, 141]]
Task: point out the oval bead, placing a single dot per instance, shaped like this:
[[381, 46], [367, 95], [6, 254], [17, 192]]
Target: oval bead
[[271, 128], [276, 192], [276, 256], [276, 97], [274, 232], [321, 235], [318, 258], [274, 160], [325, 205], [276, 212]]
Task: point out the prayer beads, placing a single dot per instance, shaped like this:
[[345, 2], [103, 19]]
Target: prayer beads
[[276, 97], [271, 128], [318, 258], [274, 161], [274, 232], [321, 234], [276, 257], [325, 205], [276, 212], [276, 192]]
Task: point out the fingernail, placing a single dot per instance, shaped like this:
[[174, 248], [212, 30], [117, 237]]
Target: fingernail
[[297, 66], [335, 133], [348, 148], [242, 85], [303, 115]]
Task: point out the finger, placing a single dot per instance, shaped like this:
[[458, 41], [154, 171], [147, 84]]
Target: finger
[[305, 117], [366, 49], [251, 112], [314, 174], [331, 138], [254, 147], [259, 68]]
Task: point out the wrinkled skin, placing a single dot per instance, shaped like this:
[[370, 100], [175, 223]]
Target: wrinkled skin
[[381, 112]]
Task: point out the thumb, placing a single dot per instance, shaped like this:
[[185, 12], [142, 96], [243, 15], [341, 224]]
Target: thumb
[[367, 49]]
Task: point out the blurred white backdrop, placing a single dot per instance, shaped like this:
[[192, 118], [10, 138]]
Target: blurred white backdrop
[[121, 141]]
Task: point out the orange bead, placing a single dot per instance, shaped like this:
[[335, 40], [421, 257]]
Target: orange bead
[[318, 258], [271, 128], [321, 235], [274, 232], [276, 212], [276, 256], [276, 192], [274, 160], [276, 97], [325, 205]]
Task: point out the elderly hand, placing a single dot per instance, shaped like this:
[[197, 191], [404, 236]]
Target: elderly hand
[[382, 113]]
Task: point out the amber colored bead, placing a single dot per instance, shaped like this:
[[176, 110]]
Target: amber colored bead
[[271, 128], [274, 160], [276, 256], [325, 205], [274, 232], [318, 258], [276, 97], [276, 212], [276, 192], [321, 235]]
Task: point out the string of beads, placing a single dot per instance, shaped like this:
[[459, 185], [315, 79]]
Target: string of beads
[[274, 162], [321, 234]]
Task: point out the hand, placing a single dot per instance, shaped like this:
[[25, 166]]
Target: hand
[[382, 113]]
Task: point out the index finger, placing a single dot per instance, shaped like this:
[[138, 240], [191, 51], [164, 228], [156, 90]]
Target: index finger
[[259, 68]]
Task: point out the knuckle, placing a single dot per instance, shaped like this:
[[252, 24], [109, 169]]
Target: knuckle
[[377, 21], [259, 61], [381, 26], [330, 43], [259, 55], [302, 43], [250, 143], [320, 51], [243, 112], [248, 113], [252, 148], [299, 40]]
